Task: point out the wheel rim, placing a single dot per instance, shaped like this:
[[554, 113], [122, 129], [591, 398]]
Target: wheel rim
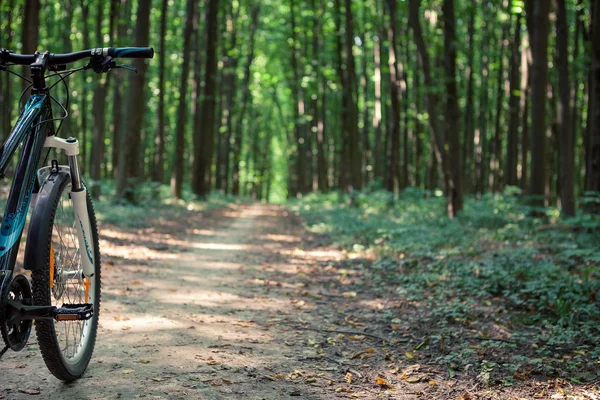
[[69, 285]]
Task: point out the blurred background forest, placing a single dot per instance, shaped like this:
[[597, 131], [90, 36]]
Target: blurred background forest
[[275, 99]]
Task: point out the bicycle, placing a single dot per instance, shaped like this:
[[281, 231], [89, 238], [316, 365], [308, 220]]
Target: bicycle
[[62, 248]]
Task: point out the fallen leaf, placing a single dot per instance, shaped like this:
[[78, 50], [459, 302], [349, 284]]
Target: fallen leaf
[[413, 379], [353, 323], [125, 327], [356, 337], [126, 371], [360, 353], [349, 295], [348, 377], [310, 380], [136, 283], [409, 355], [384, 383], [212, 362], [396, 327], [30, 391], [273, 377]]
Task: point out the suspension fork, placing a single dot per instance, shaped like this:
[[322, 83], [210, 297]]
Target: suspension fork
[[79, 198]]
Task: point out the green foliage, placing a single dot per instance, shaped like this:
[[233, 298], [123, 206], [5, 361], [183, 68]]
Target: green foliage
[[539, 276]]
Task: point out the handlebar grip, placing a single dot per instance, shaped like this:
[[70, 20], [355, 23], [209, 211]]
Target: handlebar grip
[[131, 52]]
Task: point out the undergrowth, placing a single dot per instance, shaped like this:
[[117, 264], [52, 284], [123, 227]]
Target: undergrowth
[[493, 271], [152, 199]]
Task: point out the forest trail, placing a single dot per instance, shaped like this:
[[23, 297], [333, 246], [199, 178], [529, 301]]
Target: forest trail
[[193, 314], [243, 303]]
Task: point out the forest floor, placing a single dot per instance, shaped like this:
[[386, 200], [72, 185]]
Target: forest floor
[[242, 302]]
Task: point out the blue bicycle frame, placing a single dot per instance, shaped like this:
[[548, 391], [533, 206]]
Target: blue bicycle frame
[[31, 129]]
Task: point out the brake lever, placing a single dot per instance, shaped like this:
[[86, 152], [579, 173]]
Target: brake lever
[[100, 65], [127, 67]]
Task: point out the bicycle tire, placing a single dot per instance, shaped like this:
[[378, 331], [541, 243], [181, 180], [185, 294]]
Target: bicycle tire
[[66, 367]]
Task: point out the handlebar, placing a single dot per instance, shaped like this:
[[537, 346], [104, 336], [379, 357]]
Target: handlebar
[[67, 58]]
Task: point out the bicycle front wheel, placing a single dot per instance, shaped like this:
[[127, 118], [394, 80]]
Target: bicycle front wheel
[[66, 346]]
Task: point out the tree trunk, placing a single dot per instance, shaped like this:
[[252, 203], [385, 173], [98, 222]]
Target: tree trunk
[[298, 107], [393, 181], [178, 150], [229, 88], [454, 197], [379, 155], [130, 155], [524, 102], [512, 149], [158, 170], [354, 140], [539, 82], [496, 148], [239, 128], [322, 183], [469, 133], [99, 103], [567, 156], [119, 86]]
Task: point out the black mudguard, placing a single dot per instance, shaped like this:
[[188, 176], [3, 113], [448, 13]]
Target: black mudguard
[[40, 226]]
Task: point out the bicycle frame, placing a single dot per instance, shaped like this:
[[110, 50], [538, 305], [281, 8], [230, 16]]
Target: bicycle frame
[[31, 129], [35, 128]]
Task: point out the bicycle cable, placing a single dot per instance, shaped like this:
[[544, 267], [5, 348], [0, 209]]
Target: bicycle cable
[[62, 75]]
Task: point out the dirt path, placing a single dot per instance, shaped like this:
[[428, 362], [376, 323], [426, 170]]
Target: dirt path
[[190, 316], [241, 303]]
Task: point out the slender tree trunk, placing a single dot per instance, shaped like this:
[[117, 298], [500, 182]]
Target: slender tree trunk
[[454, 197], [455, 194], [393, 182], [512, 149], [366, 142], [297, 98], [158, 170], [539, 82], [379, 159], [178, 150], [496, 148], [130, 155], [119, 86], [418, 128], [229, 87], [576, 122], [239, 128], [567, 156], [353, 137], [99, 103], [524, 101], [320, 114], [470, 108]]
